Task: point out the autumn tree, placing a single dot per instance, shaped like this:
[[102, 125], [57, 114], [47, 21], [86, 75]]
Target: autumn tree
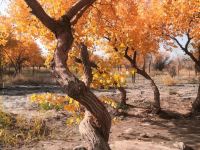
[[4, 35], [181, 20], [160, 61], [60, 31], [36, 59], [116, 26], [19, 52]]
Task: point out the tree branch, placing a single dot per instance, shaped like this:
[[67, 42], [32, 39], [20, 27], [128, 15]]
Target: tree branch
[[185, 49], [188, 41], [127, 56], [86, 64], [93, 64], [77, 10], [176, 40], [39, 12]]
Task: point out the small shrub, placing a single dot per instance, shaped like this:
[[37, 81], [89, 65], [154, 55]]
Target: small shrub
[[27, 80], [16, 130], [50, 101]]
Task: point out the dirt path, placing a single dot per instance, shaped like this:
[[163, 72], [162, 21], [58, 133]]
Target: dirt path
[[139, 130]]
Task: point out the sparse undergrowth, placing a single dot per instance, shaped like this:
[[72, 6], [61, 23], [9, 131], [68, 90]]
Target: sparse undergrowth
[[169, 81], [49, 101], [16, 130], [21, 79]]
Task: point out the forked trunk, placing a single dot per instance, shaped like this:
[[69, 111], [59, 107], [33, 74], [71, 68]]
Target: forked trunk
[[79, 91], [89, 126], [70, 84], [196, 103]]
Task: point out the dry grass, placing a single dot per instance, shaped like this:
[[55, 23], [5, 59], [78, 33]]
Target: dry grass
[[168, 80], [28, 80], [15, 130]]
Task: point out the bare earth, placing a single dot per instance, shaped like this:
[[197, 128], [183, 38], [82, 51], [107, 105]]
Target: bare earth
[[139, 130]]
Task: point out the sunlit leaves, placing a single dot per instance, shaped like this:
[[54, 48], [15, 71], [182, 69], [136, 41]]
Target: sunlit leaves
[[48, 101]]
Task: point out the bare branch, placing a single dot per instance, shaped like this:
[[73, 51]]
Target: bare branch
[[127, 56], [185, 49], [189, 40], [176, 40]]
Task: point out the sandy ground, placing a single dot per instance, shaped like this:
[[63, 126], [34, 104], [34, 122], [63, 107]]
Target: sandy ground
[[139, 130]]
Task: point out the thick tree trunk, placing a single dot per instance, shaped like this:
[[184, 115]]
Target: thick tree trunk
[[89, 125], [91, 134], [77, 90], [123, 95], [196, 103], [70, 84]]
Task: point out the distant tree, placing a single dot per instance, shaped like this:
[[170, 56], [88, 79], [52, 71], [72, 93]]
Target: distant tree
[[18, 52], [181, 19], [172, 71], [160, 62]]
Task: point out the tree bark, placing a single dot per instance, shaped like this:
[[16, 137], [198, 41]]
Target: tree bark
[[156, 105], [123, 95], [70, 84], [196, 103], [89, 131], [89, 126], [77, 90]]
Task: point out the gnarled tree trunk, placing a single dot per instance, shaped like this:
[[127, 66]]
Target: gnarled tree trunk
[[89, 131], [71, 85], [89, 125]]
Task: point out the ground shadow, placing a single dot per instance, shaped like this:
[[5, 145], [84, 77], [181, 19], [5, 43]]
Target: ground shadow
[[183, 129], [21, 90]]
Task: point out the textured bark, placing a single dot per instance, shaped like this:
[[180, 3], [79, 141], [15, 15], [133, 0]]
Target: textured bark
[[196, 103], [89, 125], [89, 131], [123, 95], [77, 89], [71, 85]]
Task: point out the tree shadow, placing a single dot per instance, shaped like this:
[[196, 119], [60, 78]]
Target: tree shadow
[[183, 129], [21, 90]]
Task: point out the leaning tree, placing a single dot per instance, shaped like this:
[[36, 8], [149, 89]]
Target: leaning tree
[[180, 22], [95, 129]]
